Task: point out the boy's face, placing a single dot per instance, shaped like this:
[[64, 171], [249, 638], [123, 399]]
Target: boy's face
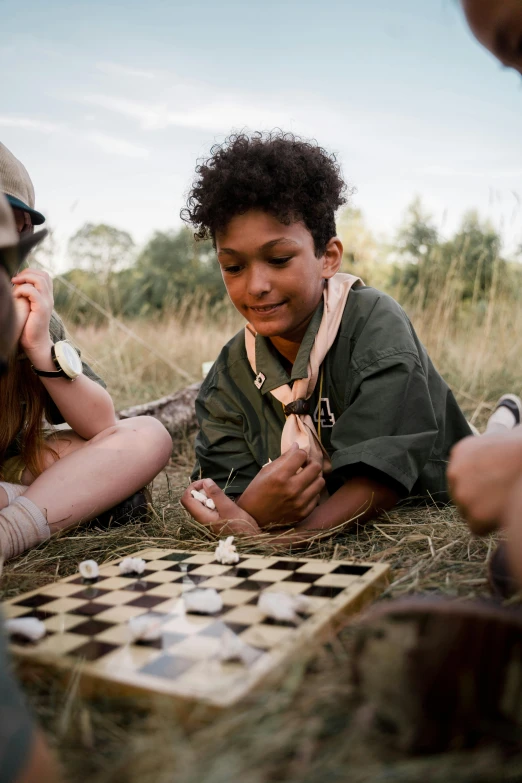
[[272, 274], [497, 24]]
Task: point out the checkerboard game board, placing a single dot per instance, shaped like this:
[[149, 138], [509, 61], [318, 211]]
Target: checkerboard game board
[[87, 624]]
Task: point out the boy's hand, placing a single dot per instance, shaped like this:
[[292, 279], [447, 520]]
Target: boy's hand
[[279, 495], [226, 519], [36, 287], [481, 475]]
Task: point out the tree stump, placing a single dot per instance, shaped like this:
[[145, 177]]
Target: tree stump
[[176, 412]]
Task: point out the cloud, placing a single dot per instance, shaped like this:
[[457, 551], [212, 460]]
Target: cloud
[[110, 144], [28, 123], [115, 146], [122, 70], [213, 115]]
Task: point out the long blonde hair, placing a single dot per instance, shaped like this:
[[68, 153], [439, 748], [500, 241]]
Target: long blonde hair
[[24, 403]]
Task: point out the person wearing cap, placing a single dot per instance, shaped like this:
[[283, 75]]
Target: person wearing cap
[[24, 755], [52, 480]]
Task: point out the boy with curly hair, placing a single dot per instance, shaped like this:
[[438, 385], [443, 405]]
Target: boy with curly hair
[[326, 407]]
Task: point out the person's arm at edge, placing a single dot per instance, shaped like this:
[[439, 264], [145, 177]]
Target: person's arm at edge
[[41, 766]]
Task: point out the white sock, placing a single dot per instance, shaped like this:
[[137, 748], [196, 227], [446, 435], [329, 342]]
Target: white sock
[[22, 526], [12, 490], [501, 419]]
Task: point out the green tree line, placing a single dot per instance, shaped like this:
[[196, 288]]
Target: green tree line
[[174, 270]]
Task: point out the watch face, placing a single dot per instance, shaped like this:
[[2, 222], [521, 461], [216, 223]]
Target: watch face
[[68, 359]]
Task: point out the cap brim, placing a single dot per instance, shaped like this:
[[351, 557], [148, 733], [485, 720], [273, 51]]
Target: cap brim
[[36, 217]]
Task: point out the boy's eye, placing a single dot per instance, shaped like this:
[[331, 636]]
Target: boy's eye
[[231, 269], [281, 260]]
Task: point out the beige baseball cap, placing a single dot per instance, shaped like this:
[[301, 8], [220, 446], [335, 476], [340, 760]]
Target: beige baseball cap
[[13, 247], [17, 185]]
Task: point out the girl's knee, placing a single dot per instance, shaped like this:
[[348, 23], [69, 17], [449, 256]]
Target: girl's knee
[[151, 436]]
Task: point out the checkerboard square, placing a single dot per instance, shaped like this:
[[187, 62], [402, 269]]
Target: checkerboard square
[[148, 601], [60, 623], [60, 605], [34, 600], [287, 565], [93, 649], [272, 575], [89, 609], [167, 666], [90, 593], [250, 584], [353, 569], [120, 614], [61, 590], [90, 627], [158, 565], [176, 556], [323, 592]]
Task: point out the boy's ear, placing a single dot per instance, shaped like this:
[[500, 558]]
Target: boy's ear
[[332, 258]]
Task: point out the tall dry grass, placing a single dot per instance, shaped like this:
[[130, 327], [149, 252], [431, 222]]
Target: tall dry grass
[[476, 346]]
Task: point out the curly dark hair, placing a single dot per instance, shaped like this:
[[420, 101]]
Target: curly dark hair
[[276, 172]]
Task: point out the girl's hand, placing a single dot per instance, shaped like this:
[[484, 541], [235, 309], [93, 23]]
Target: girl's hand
[[36, 288], [22, 308], [226, 519]]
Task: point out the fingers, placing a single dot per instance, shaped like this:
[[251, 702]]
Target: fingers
[[290, 462], [27, 291], [41, 280], [196, 509], [306, 477]]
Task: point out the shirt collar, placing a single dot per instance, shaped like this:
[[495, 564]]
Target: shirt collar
[[269, 365]]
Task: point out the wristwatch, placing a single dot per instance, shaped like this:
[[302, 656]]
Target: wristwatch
[[67, 361]]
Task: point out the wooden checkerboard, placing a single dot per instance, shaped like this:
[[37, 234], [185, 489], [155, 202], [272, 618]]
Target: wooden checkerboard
[[87, 623]]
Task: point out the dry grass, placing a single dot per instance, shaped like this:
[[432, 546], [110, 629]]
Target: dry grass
[[304, 730]]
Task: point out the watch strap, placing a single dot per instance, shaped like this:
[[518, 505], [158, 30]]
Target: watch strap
[[48, 373]]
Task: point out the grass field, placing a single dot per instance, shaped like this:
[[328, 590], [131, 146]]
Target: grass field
[[304, 730]]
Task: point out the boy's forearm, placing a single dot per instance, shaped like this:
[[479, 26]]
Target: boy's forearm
[[360, 499]]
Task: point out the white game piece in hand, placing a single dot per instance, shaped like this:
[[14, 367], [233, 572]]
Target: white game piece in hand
[[204, 601], [233, 648], [201, 496], [145, 629], [29, 627], [282, 606], [89, 569], [132, 565], [209, 503], [226, 552]]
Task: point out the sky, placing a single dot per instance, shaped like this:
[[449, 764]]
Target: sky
[[109, 104]]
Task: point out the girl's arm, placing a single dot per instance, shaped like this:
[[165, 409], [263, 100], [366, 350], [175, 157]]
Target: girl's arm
[[85, 405]]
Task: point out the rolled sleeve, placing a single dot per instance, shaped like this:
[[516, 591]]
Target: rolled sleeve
[[390, 423]]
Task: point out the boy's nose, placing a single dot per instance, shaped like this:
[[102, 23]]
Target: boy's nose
[[258, 281]]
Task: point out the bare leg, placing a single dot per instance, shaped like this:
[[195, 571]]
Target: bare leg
[[92, 476]]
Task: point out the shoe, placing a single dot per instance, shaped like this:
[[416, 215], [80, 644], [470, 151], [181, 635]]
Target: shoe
[[500, 416], [431, 674], [135, 508]]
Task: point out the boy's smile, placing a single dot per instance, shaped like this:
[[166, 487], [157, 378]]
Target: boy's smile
[[273, 275]]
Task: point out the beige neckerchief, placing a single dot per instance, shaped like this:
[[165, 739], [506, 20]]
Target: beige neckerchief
[[299, 426]]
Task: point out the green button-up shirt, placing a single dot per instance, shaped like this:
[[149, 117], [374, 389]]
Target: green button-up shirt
[[380, 404]]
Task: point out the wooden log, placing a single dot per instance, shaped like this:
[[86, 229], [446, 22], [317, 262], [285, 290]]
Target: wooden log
[[175, 411]]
